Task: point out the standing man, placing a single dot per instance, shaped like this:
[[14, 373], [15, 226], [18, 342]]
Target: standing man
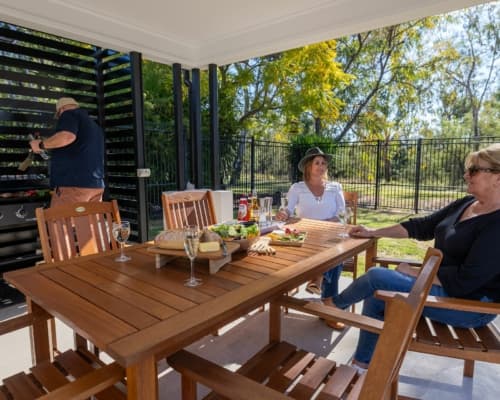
[[77, 155]]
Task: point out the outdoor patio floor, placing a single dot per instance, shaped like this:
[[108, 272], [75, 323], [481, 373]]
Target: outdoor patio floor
[[422, 376]]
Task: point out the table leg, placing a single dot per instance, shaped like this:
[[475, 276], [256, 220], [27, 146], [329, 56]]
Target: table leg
[[142, 380], [274, 322], [41, 348], [370, 255]]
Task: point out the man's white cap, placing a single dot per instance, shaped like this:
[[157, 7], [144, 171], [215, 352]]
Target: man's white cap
[[65, 101]]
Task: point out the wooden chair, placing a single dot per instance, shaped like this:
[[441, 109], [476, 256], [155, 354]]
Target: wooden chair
[[76, 229], [74, 374], [481, 344], [189, 207], [280, 368], [193, 207]]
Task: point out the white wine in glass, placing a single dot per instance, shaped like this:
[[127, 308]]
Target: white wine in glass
[[191, 244], [121, 232], [344, 217]]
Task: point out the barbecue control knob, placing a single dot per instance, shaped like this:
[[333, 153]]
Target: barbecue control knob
[[21, 212]]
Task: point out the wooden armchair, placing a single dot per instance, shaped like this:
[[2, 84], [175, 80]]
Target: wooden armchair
[[76, 229], [193, 207], [71, 375], [481, 344], [281, 370]]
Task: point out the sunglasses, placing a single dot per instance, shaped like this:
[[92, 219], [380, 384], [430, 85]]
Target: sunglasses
[[474, 169]]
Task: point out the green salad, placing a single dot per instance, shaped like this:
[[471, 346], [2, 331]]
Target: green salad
[[236, 231]]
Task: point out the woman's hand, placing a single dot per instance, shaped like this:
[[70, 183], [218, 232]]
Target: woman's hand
[[282, 215], [361, 231]]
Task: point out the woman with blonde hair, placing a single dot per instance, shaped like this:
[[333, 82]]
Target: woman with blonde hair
[[317, 197], [467, 231]]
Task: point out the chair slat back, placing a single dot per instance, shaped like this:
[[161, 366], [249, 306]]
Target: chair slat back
[[401, 318], [77, 229], [185, 208]]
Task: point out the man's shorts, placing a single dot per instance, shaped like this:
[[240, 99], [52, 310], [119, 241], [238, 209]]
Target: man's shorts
[[67, 194]]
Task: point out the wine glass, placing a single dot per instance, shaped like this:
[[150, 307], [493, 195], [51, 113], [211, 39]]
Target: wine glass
[[344, 217], [282, 214], [121, 232], [191, 243]]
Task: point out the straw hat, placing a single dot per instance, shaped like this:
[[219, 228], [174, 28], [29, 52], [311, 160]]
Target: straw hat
[[311, 153], [65, 101]]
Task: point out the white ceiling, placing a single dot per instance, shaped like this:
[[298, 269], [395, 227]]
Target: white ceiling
[[198, 32]]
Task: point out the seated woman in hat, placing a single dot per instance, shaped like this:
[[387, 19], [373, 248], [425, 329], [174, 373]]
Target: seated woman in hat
[[317, 198]]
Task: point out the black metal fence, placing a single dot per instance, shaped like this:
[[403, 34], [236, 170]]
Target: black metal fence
[[417, 175]]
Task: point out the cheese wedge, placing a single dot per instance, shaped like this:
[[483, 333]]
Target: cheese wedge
[[206, 247]]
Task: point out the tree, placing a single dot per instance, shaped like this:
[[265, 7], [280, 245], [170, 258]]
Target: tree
[[469, 51], [390, 80], [273, 91], [270, 94]]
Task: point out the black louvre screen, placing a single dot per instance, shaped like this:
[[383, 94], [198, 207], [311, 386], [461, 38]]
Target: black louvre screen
[[35, 70]]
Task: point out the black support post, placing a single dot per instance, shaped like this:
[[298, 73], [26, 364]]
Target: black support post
[[101, 111], [195, 118], [214, 126], [252, 164], [140, 156], [179, 127], [418, 166], [377, 174]]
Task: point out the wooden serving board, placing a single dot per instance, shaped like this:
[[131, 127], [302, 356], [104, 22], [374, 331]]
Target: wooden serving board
[[215, 258], [296, 243]]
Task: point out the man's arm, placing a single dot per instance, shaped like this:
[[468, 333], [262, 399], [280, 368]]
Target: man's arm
[[59, 139]]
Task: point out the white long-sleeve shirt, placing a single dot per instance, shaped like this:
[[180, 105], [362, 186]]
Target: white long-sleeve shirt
[[306, 205]]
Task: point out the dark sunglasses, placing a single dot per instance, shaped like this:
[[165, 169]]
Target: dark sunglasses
[[474, 169]]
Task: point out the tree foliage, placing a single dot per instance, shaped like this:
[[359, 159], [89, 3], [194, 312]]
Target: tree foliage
[[468, 53], [270, 94]]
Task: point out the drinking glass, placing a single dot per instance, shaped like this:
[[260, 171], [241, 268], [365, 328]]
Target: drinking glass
[[282, 214], [121, 232], [266, 210], [191, 243], [283, 203], [344, 217], [269, 210], [262, 206]]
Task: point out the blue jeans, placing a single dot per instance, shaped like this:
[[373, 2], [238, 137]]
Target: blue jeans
[[330, 283], [379, 278]]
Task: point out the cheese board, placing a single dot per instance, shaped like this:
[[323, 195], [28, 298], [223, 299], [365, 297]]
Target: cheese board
[[287, 237], [216, 259]]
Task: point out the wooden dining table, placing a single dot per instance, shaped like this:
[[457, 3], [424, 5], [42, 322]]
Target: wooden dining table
[[139, 314]]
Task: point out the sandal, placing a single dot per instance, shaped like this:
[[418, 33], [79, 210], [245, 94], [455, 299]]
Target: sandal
[[337, 325], [312, 288]]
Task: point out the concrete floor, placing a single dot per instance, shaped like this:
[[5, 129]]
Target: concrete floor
[[422, 376]]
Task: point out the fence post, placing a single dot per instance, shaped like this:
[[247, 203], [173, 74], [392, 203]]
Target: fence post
[[418, 164], [252, 163], [377, 174]]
